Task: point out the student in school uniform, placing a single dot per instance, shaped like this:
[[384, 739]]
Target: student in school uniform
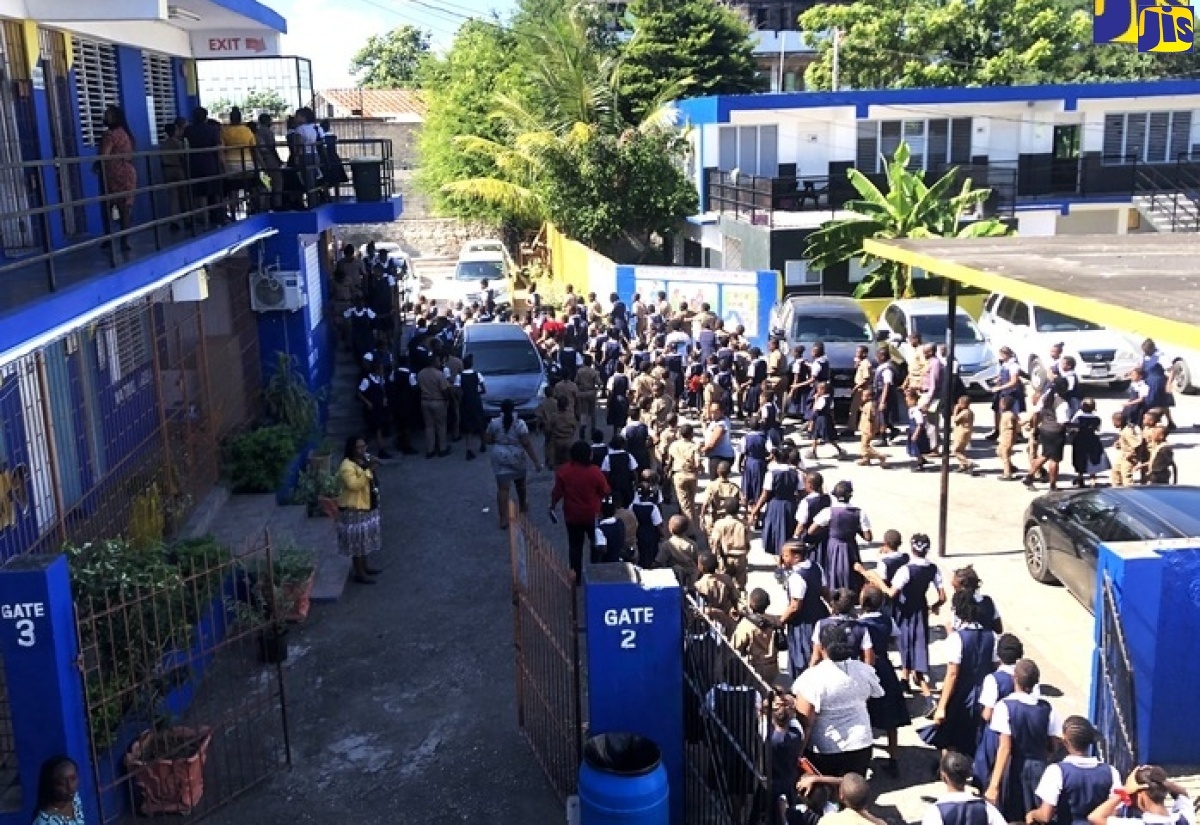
[[717, 593], [891, 557], [678, 552], [719, 493], [815, 500], [846, 524], [843, 604], [620, 468], [918, 434], [963, 421], [1129, 446], [867, 429], [970, 656], [997, 685], [1146, 790], [958, 806], [805, 587], [824, 430], [1160, 465], [1071, 789], [1087, 450], [965, 578], [729, 539], [909, 591], [777, 502], [889, 712], [756, 636], [1029, 731], [650, 526], [1008, 425], [609, 545]]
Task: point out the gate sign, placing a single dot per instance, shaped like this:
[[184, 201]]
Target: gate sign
[[236, 43], [23, 615]]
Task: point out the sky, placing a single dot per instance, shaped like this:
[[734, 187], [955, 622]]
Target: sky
[[329, 32]]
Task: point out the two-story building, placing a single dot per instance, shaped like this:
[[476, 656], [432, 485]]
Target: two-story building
[[129, 350], [1060, 160]]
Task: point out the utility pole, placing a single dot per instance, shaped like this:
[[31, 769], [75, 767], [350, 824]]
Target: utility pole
[[837, 38]]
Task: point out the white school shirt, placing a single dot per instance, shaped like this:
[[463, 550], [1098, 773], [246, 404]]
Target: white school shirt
[[769, 478], [1049, 788], [366, 383], [933, 816], [954, 647], [1000, 719], [1182, 806], [902, 575], [607, 467], [655, 515], [956, 622], [823, 518], [989, 693], [794, 586], [866, 645], [600, 539]]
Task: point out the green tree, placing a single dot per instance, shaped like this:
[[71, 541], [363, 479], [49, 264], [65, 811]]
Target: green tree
[[701, 46], [910, 209], [252, 103], [915, 43], [392, 60], [460, 91]]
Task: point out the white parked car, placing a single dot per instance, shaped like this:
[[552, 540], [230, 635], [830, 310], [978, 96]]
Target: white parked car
[[977, 364], [1183, 365], [1101, 355], [409, 285], [479, 261]]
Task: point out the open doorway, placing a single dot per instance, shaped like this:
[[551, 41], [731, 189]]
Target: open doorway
[[1064, 166]]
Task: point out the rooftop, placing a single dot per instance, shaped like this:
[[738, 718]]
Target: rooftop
[[398, 104], [1146, 284]]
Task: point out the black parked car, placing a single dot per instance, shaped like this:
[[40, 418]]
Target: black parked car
[[1063, 530]]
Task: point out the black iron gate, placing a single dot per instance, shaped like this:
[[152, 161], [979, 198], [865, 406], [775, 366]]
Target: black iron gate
[[726, 723], [184, 688], [546, 639], [1116, 712]]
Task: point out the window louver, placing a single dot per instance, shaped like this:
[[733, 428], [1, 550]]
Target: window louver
[[96, 85]]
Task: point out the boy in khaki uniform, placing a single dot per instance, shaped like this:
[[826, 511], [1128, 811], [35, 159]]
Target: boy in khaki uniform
[[719, 493], [1161, 461], [1007, 437], [683, 464], [564, 430], [568, 389], [729, 539], [587, 380], [719, 595], [678, 552], [755, 636], [544, 415], [1130, 449], [868, 429]]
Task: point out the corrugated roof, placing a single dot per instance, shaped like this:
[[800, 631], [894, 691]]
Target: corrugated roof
[[377, 102]]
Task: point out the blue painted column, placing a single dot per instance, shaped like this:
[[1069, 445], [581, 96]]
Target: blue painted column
[[635, 661], [1157, 589], [40, 648]]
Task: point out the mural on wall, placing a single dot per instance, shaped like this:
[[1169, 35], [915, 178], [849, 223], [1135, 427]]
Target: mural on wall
[[739, 305], [14, 495], [649, 289], [693, 295]]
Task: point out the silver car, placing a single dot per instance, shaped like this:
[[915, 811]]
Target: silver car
[[509, 364], [978, 366]]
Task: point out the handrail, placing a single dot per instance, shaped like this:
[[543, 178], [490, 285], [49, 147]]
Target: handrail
[[1174, 191], [187, 189]]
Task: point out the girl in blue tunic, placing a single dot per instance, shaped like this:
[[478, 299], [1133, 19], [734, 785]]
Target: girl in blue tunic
[[918, 433], [909, 591], [1087, 451], [754, 462], [778, 502], [996, 686], [970, 657], [804, 585], [845, 524], [1029, 732], [650, 530], [889, 712]]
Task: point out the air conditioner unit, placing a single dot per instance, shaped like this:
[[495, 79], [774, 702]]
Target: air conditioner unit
[[275, 291]]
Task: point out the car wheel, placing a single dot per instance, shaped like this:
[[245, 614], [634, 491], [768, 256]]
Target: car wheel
[[1181, 377], [1037, 555]]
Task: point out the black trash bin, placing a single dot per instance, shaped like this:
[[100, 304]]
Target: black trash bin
[[367, 174], [622, 781]]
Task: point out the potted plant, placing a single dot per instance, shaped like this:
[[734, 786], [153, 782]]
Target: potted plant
[[312, 486], [258, 459], [295, 570], [166, 764], [289, 401]]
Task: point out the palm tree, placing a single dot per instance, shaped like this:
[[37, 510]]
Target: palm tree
[[910, 209]]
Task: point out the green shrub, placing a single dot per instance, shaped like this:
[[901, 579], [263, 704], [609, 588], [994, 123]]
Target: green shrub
[[259, 458]]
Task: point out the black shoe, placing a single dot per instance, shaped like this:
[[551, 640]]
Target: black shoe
[[483, 448], [992, 436], [444, 453], [1028, 481], [430, 454], [470, 455]]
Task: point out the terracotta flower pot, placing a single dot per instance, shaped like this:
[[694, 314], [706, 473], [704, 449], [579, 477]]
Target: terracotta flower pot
[[328, 507], [298, 596], [168, 769]]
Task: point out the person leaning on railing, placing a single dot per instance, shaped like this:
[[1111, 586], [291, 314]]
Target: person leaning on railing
[[174, 168], [266, 154], [205, 163], [118, 176], [240, 144]]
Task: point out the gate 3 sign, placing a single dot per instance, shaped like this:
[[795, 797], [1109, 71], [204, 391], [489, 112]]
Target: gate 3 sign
[[1158, 26]]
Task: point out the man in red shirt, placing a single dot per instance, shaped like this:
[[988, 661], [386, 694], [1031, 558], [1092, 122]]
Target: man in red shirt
[[580, 486]]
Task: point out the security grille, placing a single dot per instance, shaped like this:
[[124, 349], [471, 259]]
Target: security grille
[[16, 233], [125, 343], [159, 73], [96, 85]]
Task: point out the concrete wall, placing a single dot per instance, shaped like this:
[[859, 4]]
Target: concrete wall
[[402, 135], [427, 237], [1090, 222], [744, 245]]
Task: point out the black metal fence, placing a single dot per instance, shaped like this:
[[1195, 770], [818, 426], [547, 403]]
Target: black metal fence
[[1116, 710], [727, 723]]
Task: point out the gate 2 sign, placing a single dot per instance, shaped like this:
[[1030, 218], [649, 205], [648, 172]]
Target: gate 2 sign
[[624, 619], [22, 615]]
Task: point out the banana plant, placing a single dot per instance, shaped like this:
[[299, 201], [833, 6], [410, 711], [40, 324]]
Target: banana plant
[[910, 209]]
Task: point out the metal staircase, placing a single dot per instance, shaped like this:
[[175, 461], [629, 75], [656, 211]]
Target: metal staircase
[[1168, 197]]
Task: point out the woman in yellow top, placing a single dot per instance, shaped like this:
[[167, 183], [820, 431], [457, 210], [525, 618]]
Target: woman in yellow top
[[240, 143], [358, 530]]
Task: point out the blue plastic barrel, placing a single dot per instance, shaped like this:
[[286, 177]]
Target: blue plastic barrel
[[622, 780]]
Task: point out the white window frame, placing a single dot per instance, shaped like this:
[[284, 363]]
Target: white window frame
[[97, 85], [760, 131], [1143, 152], [798, 273], [923, 146]]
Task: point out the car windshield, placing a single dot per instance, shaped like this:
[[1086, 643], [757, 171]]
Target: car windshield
[[505, 357], [479, 271], [933, 329], [1050, 321], [808, 329]]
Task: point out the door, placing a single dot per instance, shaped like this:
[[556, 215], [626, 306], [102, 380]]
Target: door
[[1085, 522], [56, 65], [1064, 165]]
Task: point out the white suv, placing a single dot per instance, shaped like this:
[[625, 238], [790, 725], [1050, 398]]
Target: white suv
[[1101, 355]]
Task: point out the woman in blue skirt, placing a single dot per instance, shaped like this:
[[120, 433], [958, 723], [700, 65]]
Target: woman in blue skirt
[[909, 591], [778, 502], [996, 686], [889, 712], [1030, 731], [918, 434], [971, 656]]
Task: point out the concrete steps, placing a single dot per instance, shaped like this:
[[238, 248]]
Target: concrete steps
[[1161, 212]]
